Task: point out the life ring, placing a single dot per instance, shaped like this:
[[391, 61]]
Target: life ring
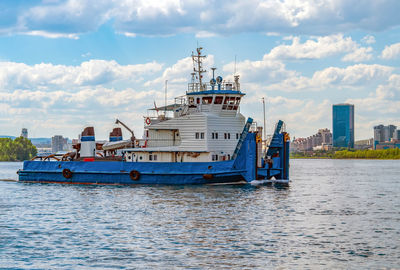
[[67, 173], [134, 175], [148, 121]]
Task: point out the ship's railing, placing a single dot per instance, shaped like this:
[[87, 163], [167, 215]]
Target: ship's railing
[[196, 87], [151, 120], [180, 100]]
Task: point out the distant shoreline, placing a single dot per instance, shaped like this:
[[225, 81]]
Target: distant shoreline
[[385, 154]]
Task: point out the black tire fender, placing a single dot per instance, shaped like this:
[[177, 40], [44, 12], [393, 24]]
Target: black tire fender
[[134, 175], [67, 173]]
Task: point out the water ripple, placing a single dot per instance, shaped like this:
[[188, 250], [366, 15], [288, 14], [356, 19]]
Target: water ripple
[[335, 214]]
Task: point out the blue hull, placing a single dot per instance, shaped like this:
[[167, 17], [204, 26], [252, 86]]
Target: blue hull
[[240, 170], [118, 172]]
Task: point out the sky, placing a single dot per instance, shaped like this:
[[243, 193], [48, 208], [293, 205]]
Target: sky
[[65, 65]]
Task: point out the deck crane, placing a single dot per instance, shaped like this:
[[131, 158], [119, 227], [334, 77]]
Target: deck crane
[[117, 121]]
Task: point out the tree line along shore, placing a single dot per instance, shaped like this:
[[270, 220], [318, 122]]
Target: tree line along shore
[[350, 154], [21, 149], [18, 149]]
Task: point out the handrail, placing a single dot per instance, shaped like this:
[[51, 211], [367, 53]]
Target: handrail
[[195, 87]]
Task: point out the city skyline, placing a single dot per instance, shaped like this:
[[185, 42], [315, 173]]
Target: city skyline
[[65, 65]]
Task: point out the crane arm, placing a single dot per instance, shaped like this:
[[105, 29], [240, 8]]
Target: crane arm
[[125, 126]]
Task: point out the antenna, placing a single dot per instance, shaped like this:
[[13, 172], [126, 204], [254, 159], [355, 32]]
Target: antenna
[[165, 107], [234, 70], [265, 128], [198, 61]]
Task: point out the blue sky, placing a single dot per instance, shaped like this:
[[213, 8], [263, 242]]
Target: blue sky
[[68, 64]]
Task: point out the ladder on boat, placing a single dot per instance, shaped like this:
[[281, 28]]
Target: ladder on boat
[[242, 137]]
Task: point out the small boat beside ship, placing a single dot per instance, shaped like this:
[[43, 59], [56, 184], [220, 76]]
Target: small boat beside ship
[[202, 138]]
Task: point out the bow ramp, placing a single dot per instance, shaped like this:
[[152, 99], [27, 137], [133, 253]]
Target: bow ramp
[[271, 166]]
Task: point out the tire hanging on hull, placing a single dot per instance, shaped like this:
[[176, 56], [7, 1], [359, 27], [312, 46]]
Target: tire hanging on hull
[[134, 175]]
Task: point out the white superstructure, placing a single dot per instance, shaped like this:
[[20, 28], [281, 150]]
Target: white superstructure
[[205, 124]]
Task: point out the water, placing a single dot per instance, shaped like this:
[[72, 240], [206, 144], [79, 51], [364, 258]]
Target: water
[[335, 214]]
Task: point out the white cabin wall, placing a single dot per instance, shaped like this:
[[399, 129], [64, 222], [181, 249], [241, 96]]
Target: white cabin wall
[[159, 138], [187, 127], [224, 125]]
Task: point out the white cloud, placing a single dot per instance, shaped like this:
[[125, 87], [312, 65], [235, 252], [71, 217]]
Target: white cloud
[[391, 52], [48, 76], [205, 34], [265, 70], [385, 101], [321, 47], [368, 39], [351, 76], [358, 55], [47, 34], [171, 17], [95, 92], [178, 75], [308, 118]]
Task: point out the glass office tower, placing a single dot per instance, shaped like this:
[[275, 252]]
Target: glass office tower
[[343, 125]]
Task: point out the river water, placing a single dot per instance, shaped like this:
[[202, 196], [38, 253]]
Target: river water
[[335, 214]]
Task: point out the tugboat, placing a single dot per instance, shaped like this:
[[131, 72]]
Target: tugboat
[[202, 138]]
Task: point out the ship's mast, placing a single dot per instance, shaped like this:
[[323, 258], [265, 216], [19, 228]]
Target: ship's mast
[[197, 65]]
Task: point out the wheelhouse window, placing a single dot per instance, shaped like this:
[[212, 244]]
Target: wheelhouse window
[[218, 99], [229, 103], [207, 100]]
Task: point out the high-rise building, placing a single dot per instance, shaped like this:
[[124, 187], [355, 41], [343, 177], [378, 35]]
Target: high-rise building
[[396, 135], [389, 132], [378, 133], [384, 134], [326, 136], [24, 133], [58, 143], [343, 125]]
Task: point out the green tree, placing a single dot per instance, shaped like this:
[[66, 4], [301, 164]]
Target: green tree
[[18, 149]]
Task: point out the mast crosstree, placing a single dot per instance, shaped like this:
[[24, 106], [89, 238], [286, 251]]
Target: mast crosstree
[[198, 66]]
